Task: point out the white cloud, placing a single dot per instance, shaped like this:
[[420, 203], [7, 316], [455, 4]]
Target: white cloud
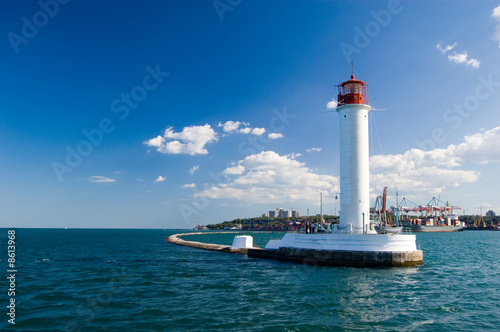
[[431, 172], [496, 13], [236, 170], [258, 131], [194, 169], [314, 150], [419, 180], [332, 104], [446, 48], [463, 58], [274, 135], [100, 179], [268, 177], [458, 57], [191, 140], [293, 155], [246, 130], [230, 126], [480, 148], [496, 16], [156, 142], [160, 179], [473, 63], [189, 185]]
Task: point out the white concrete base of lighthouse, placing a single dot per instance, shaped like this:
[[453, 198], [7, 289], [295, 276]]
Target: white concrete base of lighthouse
[[350, 242], [359, 250]]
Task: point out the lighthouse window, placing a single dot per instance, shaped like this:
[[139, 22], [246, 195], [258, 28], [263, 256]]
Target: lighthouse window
[[349, 88], [353, 88]]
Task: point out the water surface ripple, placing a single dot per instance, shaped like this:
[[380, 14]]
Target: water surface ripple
[[132, 280]]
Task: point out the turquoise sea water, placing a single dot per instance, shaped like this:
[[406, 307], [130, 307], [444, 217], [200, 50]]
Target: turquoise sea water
[[131, 280]]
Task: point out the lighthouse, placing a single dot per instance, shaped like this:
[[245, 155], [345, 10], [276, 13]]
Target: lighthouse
[[351, 243], [353, 111]]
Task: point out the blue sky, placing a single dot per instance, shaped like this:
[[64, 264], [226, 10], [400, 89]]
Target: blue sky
[[164, 114]]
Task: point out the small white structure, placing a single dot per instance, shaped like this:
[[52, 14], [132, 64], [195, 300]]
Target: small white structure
[[242, 241]]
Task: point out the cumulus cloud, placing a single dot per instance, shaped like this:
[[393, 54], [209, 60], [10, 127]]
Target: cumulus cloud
[[194, 169], [189, 185], [160, 179], [258, 131], [458, 57], [496, 16], [331, 105], [480, 148], [191, 140], [314, 150], [462, 58], [230, 126], [246, 130], [414, 172], [269, 177], [100, 179], [473, 63], [274, 135], [156, 142], [435, 170], [234, 126], [236, 170]]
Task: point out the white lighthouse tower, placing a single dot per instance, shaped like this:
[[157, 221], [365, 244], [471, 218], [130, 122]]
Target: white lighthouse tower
[[352, 243], [353, 110]]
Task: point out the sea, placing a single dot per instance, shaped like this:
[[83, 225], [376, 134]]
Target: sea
[[132, 280]]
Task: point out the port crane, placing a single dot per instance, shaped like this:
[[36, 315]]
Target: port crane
[[380, 207], [479, 221], [432, 208]]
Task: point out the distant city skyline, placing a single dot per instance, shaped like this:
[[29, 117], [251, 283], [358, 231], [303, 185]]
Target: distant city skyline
[[178, 113]]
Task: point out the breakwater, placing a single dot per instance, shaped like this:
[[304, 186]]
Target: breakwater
[[176, 239], [354, 258]]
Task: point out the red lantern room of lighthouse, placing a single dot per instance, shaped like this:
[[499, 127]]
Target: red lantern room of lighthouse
[[353, 91]]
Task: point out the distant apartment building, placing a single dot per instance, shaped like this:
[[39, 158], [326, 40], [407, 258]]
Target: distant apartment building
[[283, 213]]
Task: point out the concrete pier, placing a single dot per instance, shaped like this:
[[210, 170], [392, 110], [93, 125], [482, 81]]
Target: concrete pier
[[313, 256], [176, 239]]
